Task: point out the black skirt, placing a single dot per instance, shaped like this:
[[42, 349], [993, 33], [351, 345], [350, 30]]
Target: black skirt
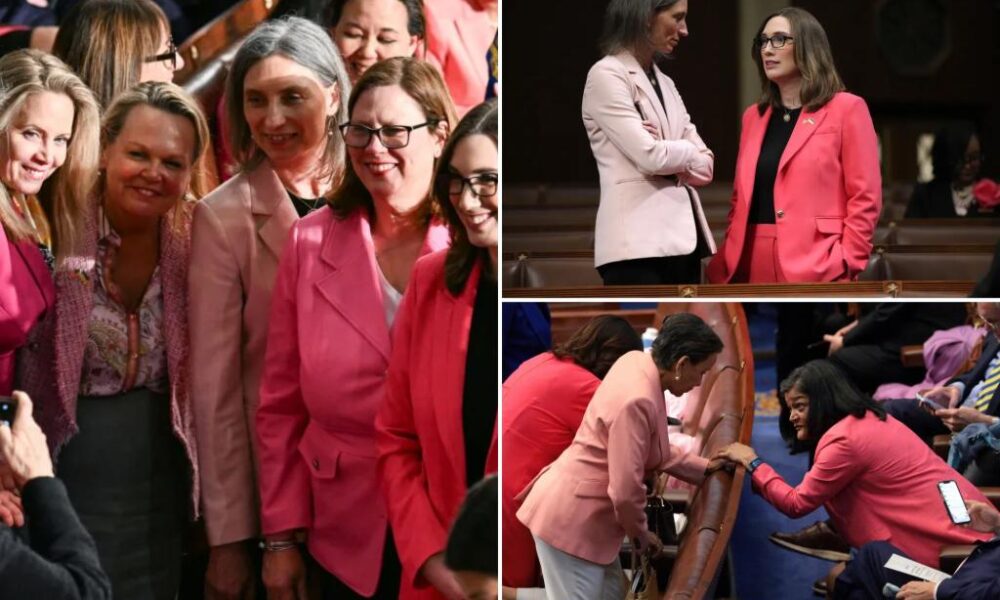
[[127, 477]]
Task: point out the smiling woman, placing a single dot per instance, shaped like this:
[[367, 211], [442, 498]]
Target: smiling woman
[[367, 31]]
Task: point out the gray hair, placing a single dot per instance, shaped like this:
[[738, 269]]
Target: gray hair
[[307, 44], [626, 23]]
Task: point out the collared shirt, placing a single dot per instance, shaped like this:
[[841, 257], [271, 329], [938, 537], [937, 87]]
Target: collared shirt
[[125, 350], [970, 398]]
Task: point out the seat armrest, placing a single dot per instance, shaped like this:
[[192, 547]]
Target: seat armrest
[[942, 443], [992, 494], [912, 356]]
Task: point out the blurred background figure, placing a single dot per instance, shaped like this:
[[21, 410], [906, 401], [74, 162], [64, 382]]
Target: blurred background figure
[[957, 158], [472, 544]]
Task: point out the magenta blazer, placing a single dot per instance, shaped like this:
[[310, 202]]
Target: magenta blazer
[[459, 36], [27, 295], [878, 481], [421, 458], [324, 378], [827, 194]]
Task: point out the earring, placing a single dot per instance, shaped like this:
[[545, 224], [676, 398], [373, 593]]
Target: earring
[[677, 377]]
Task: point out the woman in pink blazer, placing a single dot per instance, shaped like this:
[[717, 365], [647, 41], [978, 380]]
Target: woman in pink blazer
[[51, 128], [109, 374], [808, 191], [339, 284], [239, 231], [543, 405], [436, 431], [875, 477], [650, 225], [581, 507], [459, 35]]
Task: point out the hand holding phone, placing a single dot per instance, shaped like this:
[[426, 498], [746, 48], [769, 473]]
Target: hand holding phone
[[8, 409], [890, 590], [928, 404], [954, 502]]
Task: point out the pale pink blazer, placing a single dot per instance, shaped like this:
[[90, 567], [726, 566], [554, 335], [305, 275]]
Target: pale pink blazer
[[592, 496], [642, 213], [459, 36], [324, 379], [238, 234]]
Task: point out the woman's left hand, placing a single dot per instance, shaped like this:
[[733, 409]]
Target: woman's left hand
[[737, 453], [652, 129]]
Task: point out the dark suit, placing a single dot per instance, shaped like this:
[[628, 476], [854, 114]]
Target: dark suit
[[61, 561], [527, 332], [978, 578]]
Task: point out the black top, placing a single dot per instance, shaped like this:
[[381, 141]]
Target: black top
[[933, 200], [775, 139], [656, 87], [304, 206], [479, 399], [61, 561]]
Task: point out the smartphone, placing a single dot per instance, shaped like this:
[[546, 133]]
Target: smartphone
[[954, 502], [8, 408], [890, 590], [927, 403]]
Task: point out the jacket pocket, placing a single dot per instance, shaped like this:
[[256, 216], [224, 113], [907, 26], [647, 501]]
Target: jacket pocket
[[591, 489], [830, 225], [319, 453]]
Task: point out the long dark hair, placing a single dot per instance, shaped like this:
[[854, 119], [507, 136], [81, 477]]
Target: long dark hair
[[832, 396], [950, 144], [813, 57], [626, 23], [598, 344], [684, 334]]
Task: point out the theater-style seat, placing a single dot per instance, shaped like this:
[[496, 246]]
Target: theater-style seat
[[548, 241], [935, 265], [568, 271]]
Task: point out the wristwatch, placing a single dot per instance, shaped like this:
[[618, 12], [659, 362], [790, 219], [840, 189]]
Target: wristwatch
[[754, 464]]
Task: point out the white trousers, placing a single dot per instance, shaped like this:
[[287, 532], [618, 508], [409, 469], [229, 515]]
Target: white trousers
[[570, 578]]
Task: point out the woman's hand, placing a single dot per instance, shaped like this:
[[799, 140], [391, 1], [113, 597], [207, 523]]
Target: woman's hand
[[737, 453], [917, 590], [956, 419], [651, 545], [652, 129], [229, 575], [11, 512], [985, 518], [443, 580], [22, 445], [284, 574]]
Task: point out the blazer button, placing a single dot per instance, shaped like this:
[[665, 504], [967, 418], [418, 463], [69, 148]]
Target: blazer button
[[316, 464], [781, 213]]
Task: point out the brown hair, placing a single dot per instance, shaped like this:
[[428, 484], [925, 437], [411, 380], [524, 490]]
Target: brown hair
[[107, 42], [813, 58], [423, 83], [598, 344], [462, 255], [28, 72], [170, 99]]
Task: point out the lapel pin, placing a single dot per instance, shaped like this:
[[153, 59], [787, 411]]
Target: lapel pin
[[809, 121]]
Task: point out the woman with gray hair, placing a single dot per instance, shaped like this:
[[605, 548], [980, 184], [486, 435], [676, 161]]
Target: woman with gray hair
[[650, 225], [287, 91]]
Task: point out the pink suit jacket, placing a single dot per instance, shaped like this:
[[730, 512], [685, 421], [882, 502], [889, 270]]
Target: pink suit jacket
[[324, 378], [878, 481], [459, 36], [593, 495], [238, 234], [827, 194], [27, 295], [421, 458], [543, 405]]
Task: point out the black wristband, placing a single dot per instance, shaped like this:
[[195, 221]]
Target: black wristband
[[754, 464]]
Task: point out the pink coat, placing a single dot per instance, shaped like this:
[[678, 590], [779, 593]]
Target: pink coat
[[238, 234], [827, 194], [592, 496], [324, 378], [27, 295], [459, 36], [51, 368], [421, 458], [878, 481]]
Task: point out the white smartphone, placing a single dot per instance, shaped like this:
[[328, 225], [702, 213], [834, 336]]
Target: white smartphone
[[954, 502], [928, 403]]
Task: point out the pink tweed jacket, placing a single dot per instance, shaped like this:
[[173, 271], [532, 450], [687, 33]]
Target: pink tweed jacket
[[50, 367]]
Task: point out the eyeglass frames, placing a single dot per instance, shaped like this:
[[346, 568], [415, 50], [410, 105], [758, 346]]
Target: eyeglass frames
[[391, 136], [777, 41], [169, 58], [481, 184]]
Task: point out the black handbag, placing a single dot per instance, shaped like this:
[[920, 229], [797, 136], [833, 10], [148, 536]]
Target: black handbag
[[660, 520]]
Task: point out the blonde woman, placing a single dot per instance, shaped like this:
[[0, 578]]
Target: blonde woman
[[48, 132], [116, 407]]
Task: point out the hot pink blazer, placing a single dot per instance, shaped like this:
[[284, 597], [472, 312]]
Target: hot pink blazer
[[324, 379], [543, 404], [421, 458], [459, 36], [827, 194], [238, 234], [592, 496], [878, 481], [27, 295]]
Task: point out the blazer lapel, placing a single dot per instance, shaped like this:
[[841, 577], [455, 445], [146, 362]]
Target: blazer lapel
[[273, 211], [751, 150], [641, 83], [353, 286], [450, 354], [806, 126]]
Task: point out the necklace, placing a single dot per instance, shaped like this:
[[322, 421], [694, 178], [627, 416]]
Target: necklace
[[309, 205], [787, 117]]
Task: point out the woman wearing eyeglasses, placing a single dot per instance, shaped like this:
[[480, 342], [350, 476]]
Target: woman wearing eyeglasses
[[133, 35], [287, 91], [340, 281], [650, 225], [957, 158], [436, 431], [807, 191]]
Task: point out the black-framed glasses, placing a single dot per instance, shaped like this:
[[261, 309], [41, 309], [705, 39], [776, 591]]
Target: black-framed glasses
[[481, 184], [971, 158], [169, 58], [391, 136], [777, 41]]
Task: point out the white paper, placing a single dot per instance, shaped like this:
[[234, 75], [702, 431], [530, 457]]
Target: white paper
[[909, 567]]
